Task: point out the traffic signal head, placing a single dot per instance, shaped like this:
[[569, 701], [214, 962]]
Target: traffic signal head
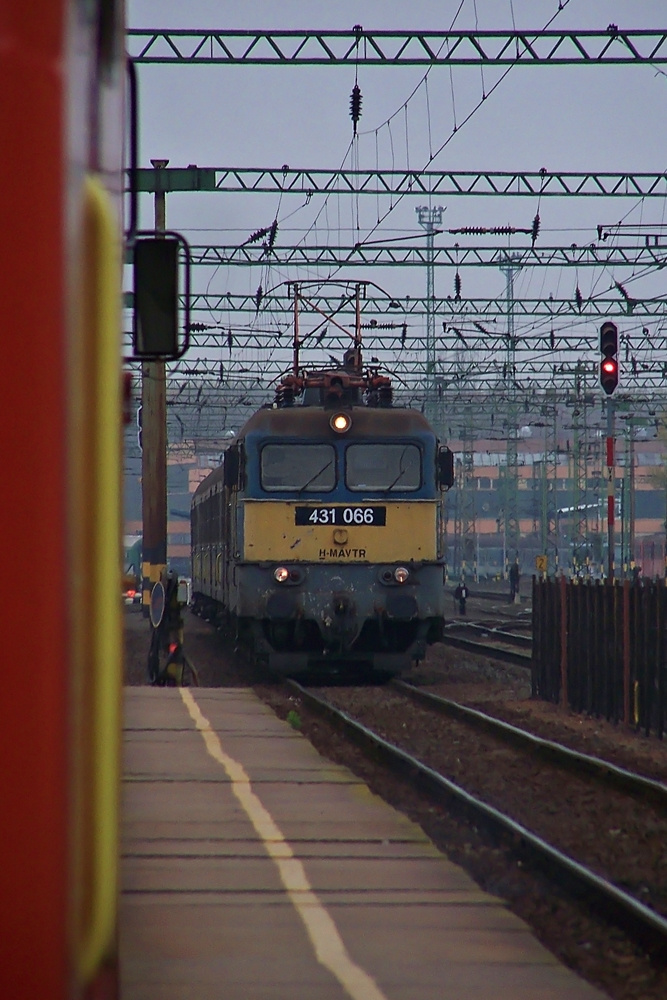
[[609, 362], [609, 374]]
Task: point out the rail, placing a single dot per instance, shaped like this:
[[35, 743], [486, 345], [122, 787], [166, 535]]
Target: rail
[[642, 923]]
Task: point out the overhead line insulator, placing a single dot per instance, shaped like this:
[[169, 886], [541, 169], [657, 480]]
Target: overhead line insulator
[[535, 228], [355, 107], [258, 234]]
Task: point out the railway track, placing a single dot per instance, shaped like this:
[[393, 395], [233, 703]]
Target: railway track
[[609, 774], [576, 840], [492, 639]]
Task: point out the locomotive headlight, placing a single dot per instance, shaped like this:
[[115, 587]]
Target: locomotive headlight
[[340, 422], [281, 574], [401, 574]]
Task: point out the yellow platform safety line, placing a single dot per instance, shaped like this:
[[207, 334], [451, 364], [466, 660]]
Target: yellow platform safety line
[[97, 940], [325, 938]]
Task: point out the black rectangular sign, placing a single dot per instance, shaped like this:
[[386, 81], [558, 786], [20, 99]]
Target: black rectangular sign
[[344, 516]]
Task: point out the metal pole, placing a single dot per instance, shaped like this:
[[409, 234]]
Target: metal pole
[[154, 451], [610, 488], [357, 316], [509, 268], [295, 362], [624, 564]]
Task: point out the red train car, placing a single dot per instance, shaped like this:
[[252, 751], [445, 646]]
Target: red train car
[[62, 80]]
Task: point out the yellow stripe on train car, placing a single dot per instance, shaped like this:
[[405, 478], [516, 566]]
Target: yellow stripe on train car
[[97, 627], [270, 533]]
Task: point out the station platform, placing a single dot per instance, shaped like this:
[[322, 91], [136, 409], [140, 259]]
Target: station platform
[[254, 869]]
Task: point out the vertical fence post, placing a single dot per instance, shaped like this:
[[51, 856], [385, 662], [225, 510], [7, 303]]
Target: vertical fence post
[[563, 641], [645, 687], [660, 613], [535, 658], [636, 594], [626, 652]]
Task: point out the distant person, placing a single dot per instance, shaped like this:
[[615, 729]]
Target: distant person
[[461, 595], [515, 577]]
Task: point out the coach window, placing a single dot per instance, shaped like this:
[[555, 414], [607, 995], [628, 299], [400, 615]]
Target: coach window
[[300, 468], [389, 467]]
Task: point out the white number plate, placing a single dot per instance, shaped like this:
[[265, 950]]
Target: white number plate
[[344, 516]]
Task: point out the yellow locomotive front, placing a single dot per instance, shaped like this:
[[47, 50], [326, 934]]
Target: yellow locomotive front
[[327, 548]]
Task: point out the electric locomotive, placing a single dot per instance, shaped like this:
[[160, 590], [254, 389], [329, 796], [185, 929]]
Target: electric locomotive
[[320, 539]]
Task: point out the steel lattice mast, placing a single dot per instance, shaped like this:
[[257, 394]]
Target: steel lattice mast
[[430, 218]]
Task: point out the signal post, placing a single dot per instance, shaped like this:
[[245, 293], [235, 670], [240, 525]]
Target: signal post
[[609, 381], [154, 451]]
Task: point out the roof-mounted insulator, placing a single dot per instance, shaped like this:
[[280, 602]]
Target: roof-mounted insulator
[[385, 395], [457, 286], [284, 396], [355, 107]]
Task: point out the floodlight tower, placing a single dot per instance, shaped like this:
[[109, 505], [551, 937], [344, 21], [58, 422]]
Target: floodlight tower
[[430, 218]]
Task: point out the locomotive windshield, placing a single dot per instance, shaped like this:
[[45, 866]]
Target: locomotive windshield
[[383, 467], [302, 467]]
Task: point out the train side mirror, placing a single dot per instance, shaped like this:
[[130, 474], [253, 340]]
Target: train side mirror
[[445, 467], [161, 267]]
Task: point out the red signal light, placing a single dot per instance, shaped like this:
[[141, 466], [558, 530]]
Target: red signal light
[[609, 362], [609, 375]]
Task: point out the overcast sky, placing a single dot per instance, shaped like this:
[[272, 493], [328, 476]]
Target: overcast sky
[[570, 118]]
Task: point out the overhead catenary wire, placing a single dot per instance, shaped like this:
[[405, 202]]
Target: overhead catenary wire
[[453, 133], [355, 225]]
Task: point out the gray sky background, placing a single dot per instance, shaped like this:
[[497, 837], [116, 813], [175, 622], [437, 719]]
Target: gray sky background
[[570, 118]]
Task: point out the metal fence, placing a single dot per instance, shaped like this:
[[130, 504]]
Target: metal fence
[[601, 648]]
